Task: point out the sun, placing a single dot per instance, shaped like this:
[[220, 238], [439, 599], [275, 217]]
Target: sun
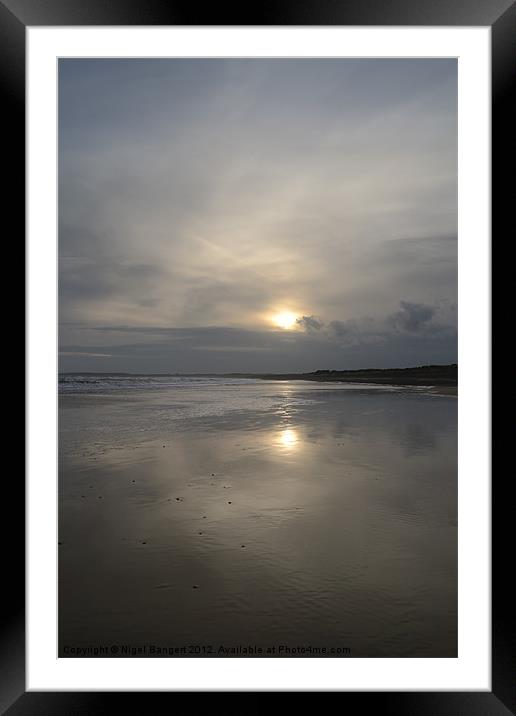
[[285, 319]]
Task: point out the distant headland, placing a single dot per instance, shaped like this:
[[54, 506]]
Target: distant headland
[[424, 375]]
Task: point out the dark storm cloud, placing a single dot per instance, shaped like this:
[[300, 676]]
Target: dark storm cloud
[[199, 197], [356, 332], [413, 316], [310, 323]]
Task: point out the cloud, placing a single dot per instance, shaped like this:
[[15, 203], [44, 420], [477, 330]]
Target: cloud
[[390, 340], [310, 323], [412, 317], [203, 195], [347, 332]]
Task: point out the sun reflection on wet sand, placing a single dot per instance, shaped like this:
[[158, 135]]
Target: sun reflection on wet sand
[[288, 438], [268, 510]]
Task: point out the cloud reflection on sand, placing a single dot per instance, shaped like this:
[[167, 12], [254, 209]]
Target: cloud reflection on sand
[[336, 525]]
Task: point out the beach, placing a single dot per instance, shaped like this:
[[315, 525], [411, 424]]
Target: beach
[[219, 517]]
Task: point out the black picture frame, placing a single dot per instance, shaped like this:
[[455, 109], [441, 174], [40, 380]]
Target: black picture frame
[[500, 15]]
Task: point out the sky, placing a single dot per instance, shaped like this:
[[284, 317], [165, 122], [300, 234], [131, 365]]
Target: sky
[[257, 215]]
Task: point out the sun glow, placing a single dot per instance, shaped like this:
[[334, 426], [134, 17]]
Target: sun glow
[[288, 438], [285, 319]]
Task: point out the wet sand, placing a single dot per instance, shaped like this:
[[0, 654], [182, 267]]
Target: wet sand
[[276, 515], [450, 390]]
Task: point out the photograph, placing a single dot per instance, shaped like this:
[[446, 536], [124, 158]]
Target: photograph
[[258, 357], [259, 449]]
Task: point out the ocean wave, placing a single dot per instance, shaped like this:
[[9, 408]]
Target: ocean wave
[[77, 384]]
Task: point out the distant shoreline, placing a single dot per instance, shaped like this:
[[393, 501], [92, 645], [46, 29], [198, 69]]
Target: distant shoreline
[[441, 379]]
